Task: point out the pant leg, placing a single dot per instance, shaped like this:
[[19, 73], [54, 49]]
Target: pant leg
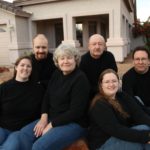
[[59, 137], [12, 142], [3, 135], [115, 143], [143, 127], [27, 137]]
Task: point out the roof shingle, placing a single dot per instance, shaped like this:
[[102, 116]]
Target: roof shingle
[[14, 9]]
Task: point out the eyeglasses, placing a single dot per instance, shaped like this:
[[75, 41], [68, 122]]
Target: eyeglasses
[[38, 47], [140, 59]]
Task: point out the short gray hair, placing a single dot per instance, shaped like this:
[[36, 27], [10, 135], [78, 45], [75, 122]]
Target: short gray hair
[[66, 49]]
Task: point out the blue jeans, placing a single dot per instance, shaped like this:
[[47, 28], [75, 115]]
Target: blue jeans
[[12, 142], [118, 144], [55, 139], [4, 133], [9, 139]]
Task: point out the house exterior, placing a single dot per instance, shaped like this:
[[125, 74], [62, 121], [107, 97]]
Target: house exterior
[[65, 21]]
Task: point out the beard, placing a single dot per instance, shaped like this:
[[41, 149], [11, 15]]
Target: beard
[[41, 56]]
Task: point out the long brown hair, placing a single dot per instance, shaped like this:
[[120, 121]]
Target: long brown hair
[[17, 63], [102, 96]]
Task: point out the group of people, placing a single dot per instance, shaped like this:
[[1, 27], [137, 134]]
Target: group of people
[[53, 100]]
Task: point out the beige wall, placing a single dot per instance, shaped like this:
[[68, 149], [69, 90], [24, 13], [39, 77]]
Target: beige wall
[[8, 38]]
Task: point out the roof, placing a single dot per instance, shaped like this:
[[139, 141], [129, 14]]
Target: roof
[[34, 2], [13, 9]]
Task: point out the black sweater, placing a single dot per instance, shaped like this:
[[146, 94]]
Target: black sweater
[[106, 122], [20, 103], [94, 67], [42, 70], [136, 84], [66, 98]]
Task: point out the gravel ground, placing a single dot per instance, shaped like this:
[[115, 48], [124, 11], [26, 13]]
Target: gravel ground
[[126, 65]]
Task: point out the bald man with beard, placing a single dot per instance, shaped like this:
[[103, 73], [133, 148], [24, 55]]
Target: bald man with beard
[[43, 65]]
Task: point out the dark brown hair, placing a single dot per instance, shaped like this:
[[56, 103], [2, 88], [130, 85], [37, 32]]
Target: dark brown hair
[[141, 48], [102, 96], [18, 61]]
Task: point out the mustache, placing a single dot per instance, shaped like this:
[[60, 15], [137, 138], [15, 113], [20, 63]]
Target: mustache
[[40, 53]]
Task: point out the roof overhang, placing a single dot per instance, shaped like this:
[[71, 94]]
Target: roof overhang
[[130, 5], [11, 8], [33, 2]]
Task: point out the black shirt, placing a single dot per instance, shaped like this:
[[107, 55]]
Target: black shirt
[[105, 122], [94, 67], [136, 84], [66, 98], [42, 70], [20, 103]]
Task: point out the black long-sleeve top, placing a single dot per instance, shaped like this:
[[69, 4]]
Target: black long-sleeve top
[[42, 70], [136, 84], [20, 103], [66, 98], [94, 67], [107, 122]]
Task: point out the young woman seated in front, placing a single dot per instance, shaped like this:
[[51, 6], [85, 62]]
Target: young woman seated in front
[[20, 102], [116, 121]]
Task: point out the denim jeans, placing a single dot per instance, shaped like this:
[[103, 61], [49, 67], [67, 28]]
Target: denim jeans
[[9, 139], [12, 142], [4, 133], [55, 139], [118, 144]]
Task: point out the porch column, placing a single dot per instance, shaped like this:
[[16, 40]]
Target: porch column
[[115, 43], [70, 37], [85, 34], [65, 28]]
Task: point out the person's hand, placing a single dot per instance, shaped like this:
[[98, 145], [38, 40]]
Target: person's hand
[[39, 127], [148, 142], [47, 128]]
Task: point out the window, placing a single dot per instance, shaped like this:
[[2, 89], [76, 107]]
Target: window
[[92, 27], [2, 30], [79, 33]]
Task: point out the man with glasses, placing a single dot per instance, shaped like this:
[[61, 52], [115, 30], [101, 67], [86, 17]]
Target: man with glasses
[[136, 81], [42, 61]]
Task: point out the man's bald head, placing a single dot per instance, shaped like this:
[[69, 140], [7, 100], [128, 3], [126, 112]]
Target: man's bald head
[[40, 46], [96, 45]]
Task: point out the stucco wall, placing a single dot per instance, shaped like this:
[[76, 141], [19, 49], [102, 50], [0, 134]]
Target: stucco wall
[[9, 37], [73, 6]]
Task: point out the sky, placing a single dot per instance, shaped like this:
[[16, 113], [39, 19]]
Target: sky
[[143, 9]]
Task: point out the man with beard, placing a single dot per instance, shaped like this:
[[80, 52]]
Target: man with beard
[[96, 60], [43, 65]]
